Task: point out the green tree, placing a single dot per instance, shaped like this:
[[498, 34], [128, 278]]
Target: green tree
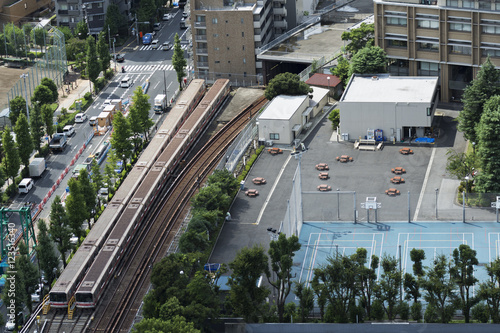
[[369, 60], [359, 38], [489, 290], [440, 287], [97, 179], [461, 165], [485, 85], [334, 117], [45, 252], [93, 65], [17, 106], [42, 95], [462, 271], [38, 37], [76, 207], [489, 147], [120, 138], [247, 296], [66, 31], [306, 300], [178, 60], [47, 117], [74, 47], [193, 241], [139, 110], [286, 84], [36, 125], [387, 290], [147, 13], [412, 284], [82, 30], [88, 192], [23, 138], [225, 180], [14, 301], [281, 253], [53, 88], [103, 51], [368, 281], [29, 271], [59, 228], [342, 70], [211, 198], [175, 325], [11, 161], [116, 21]]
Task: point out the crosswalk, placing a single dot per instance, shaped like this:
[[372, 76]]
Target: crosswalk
[[152, 68], [150, 47]]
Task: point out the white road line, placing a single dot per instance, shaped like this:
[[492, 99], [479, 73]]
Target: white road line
[[424, 185], [272, 190]]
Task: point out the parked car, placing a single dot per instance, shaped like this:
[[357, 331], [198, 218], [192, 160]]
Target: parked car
[[157, 26], [185, 14], [26, 185], [166, 46], [80, 118], [167, 17], [120, 57]]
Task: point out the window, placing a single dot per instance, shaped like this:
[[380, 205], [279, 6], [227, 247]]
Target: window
[[398, 67], [492, 53], [467, 4], [460, 27], [396, 21], [429, 111], [397, 43], [216, 49], [484, 5], [274, 136], [491, 29], [244, 74], [89, 5], [464, 50], [427, 24], [428, 68], [243, 47], [242, 34], [432, 47], [241, 21], [217, 61], [452, 3], [214, 20], [99, 5], [216, 35], [244, 60]]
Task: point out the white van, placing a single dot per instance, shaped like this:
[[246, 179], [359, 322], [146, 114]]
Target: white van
[[125, 82], [25, 185], [155, 44]]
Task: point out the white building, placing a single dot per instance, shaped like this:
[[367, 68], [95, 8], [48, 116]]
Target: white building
[[400, 106], [286, 116]]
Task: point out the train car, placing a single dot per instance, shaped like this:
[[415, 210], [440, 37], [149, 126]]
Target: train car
[[96, 280]]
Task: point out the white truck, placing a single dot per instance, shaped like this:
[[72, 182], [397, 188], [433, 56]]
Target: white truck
[[37, 167], [160, 103]]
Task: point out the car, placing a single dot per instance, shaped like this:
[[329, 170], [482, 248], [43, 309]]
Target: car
[[93, 121], [185, 14], [35, 297], [120, 57], [69, 130], [80, 118], [156, 26], [166, 46], [167, 17], [10, 326], [26, 185], [119, 167], [155, 44]]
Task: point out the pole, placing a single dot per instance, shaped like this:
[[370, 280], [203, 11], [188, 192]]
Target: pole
[[114, 51], [26, 93], [463, 206], [401, 281], [354, 206], [164, 84], [136, 29], [437, 190], [109, 37], [338, 204], [409, 210]]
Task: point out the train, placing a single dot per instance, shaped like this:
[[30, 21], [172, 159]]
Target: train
[[71, 277], [107, 260]]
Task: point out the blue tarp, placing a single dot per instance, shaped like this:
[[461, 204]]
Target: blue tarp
[[425, 140], [212, 267]]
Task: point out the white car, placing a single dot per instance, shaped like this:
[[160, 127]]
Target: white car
[[69, 130], [166, 17], [155, 44], [26, 185], [80, 118]]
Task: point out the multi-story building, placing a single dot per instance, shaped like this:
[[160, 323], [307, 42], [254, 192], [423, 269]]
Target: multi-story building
[[227, 36], [23, 10], [70, 12], [445, 38]]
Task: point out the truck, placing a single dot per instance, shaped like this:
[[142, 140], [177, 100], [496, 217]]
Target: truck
[[37, 167], [160, 103], [147, 39], [58, 142]]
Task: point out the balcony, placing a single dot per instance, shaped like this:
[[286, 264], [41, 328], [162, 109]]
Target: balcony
[[279, 11], [200, 25], [280, 24], [280, 1], [62, 12], [201, 51], [201, 37], [74, 12], [202, 64]]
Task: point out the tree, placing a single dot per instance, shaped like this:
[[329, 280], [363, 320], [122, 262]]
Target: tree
[[82, 30], [341, 70], [359, 38], [14, 300], [369, 60], [45, 252], [38, 37], [29, 271], [74, 47], [11, 161], [36, 125], [286, 84], [42, 95], [368, 281], [224, 180], [47, 117], [76, 207], [306, 300], [193, 241], [93, 65], [211, 198], [66, 31], [88, 192], [115, 20], [177, 324], [334, 117], [281, 253], [480, 90], [490, 290], [97, 179], [178, 60], [139, 111], [103, 51], [439, 286], [59, 228], [489, 147], [247, 296], [17, 106], [24, 143], [462, 271], [461, 165], [120, 138], [387, 291], [52, 86]]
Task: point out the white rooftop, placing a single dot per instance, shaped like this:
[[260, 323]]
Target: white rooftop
[[282, 107], [386, 88], [317, 95]]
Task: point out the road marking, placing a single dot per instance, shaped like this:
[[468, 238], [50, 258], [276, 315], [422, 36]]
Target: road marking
[[424, 185], [272, 190]]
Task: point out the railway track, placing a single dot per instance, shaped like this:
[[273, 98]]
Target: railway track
[[118, 307]]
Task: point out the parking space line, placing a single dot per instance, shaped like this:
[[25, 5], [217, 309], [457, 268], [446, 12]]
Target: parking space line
[[424, 185]]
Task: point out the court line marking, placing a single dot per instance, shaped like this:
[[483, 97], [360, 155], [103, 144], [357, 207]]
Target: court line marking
[[424, 185]]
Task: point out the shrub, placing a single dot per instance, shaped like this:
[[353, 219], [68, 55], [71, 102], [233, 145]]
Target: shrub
[[109, 74], [481, 313], [87, 96], [416, 311], [100, 83], [404, 310], [334, 117], [377, 310], [431, 315]]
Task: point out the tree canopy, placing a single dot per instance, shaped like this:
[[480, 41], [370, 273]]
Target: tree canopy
[[93, 65], [369, 60], [286, 84], [24, 143], [178, 60], [359, 38]]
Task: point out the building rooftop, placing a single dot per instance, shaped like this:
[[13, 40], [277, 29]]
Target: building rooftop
[[282, 107], [317, 95], [386, 88], [323, 81]]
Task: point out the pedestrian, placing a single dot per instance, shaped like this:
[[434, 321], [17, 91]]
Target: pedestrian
[[228, 216]]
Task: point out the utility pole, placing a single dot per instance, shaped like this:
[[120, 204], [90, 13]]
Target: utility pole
[[137, 27]]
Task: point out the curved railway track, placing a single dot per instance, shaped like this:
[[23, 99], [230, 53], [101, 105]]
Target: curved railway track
[[120, 304]]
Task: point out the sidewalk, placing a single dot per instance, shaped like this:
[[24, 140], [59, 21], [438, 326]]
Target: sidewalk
[[65, 101]]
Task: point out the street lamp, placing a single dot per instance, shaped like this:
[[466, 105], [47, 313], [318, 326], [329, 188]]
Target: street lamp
[[437, 190], [24, 76], [328, 78], [338, 204]]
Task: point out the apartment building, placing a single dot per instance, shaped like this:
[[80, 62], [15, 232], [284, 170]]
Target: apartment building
[[70, 12], [445, 38], [227, 36], [24, 10]]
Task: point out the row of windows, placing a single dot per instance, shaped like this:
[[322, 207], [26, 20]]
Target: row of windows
[[491, 53], [396, 21], [214, 20], [204, 59], [432, 47], [466, 27], [430, 24], [217, 35], [472, 4], [229, 61], [218, 49], [491, 29]]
